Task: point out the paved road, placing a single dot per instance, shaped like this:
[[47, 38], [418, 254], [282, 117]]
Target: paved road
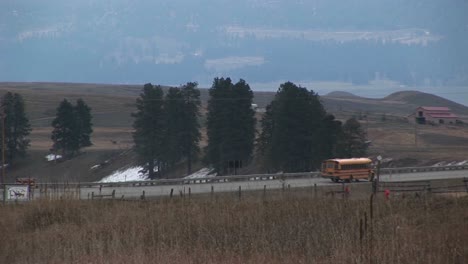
[[164, 190]]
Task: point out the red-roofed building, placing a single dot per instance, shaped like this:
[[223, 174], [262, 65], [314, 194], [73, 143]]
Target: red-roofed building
[[434, 115]]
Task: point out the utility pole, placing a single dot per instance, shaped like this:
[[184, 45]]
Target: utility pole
[[377, 180]]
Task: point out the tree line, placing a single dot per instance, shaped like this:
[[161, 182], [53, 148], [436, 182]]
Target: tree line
[[167, 128], [72, 128], [296, 133]]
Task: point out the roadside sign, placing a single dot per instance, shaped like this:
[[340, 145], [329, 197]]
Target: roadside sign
[[16, 192]]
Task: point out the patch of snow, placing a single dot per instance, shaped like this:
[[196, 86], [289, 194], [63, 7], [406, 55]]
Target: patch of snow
[[453, 163], [52, 157], [387, 160], [97, 166], [203, 173], [439, 164], [130, 174]]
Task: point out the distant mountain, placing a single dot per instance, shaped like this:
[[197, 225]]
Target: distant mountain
[[415, 98], [341, 94], [399, 103]]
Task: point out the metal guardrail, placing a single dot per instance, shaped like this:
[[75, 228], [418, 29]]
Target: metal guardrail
[[233, 178], [181, 181], [422, 169]]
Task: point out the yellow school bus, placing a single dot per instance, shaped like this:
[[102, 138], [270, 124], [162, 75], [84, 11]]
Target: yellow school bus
[[354, 169]]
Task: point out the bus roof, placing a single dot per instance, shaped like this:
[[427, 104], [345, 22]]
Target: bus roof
[[352, 161]]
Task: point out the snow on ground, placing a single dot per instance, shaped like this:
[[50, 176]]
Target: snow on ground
[[52, 157], [203, 173], [134, 174], [453, 163], [130, 174]]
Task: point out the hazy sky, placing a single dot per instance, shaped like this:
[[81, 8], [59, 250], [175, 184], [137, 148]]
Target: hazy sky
[[323, 45]]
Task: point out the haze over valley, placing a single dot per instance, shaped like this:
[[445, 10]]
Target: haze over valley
[[371, 48]]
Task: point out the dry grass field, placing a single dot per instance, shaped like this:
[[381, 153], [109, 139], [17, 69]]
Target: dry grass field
[[281, 227]]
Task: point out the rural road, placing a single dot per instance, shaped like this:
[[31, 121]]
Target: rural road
[[164, 190], [134, 192]]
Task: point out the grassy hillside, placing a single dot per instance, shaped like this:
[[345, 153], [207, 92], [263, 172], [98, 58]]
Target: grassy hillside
[[414, 98], [112, 106], [399, 103]]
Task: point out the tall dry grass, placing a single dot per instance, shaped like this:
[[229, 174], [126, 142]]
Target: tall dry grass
[[289, 227]]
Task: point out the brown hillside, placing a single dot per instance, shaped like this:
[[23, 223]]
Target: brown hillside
[[415, 98], [112, 106], [399, 104]]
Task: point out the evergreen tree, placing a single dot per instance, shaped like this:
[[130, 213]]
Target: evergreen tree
[[84, 125], [352, 140], [181, 137], [65, 128], [230, 125], [173, 127], [291, 130], [217, 123], [17, 126], [149, 127], [329, 132], [191, 130], [242, 131]]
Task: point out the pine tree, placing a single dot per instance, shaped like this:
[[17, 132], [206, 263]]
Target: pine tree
[[291, 130], [174, 125], [352, 140], [242, 131], [72, 127], [65, 128], [230, 125], [149, 127], [84, 125], [329, 132], [17, 126], [191, 130], [181, 137]]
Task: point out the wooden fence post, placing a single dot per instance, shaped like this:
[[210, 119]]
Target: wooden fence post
[[361, 238], [371, 241]]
